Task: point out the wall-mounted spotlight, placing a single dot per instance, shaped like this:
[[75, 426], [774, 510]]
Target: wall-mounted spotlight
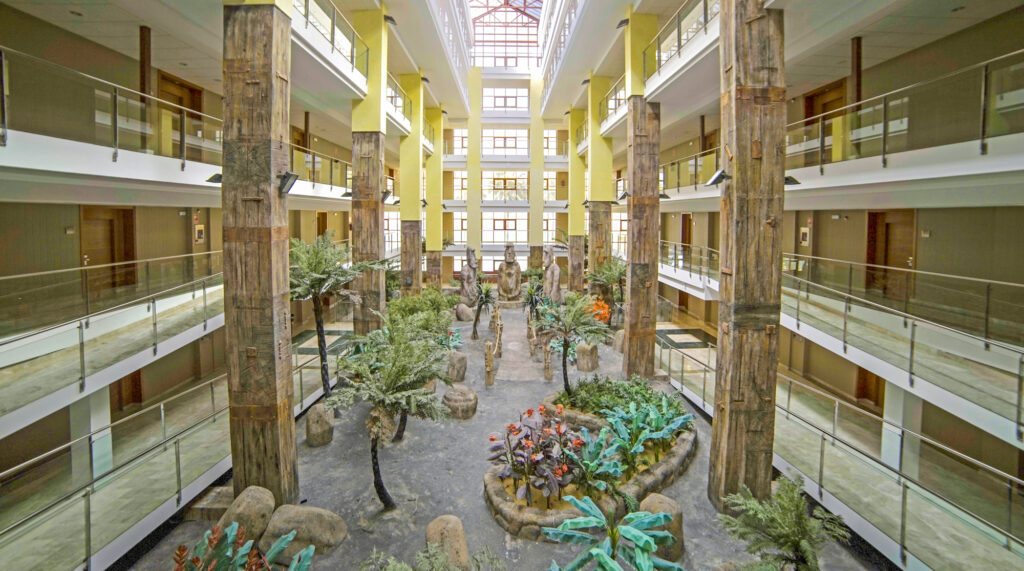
[[385, 196], [423, 201], [288, 179], [347, 194], [718, 177], [586, 81], [791, 180], [622, 23], [663, 195], [216, 178], [623, 195], [390, 20], [585, 204]]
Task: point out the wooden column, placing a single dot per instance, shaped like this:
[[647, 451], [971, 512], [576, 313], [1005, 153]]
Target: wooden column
[[536, 259], [434, 267], [412, 250], [368, 226], [856, 67], [307, 137], [753, 105], [643, 145], [600, 232], [257, 60], [577, 245], [145, 76]]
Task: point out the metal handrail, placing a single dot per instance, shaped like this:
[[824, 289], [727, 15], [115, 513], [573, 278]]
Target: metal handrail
[[897, 91], [319, 154], [617, 88], [82, 268], [673, 20], [689, 158]]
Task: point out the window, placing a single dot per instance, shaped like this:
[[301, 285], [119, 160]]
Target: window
[[490, 264], [505, 185], [505, 142], [460, 142], [620, 233], [506, 99], [461, 185], [550, 223], [550, 185], [505, 32], [501, 227], [392, 232], [551, 143], [460, 227]]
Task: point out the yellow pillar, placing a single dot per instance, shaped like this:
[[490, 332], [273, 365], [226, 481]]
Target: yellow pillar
[[535, 235], [368, 113], [576, 168], [435, 180], [639, 33], [410, 150], [473, 172], [599, 151]]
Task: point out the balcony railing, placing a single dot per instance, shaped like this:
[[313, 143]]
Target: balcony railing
[[582, 133], [560, 150], [691, 19], [319, 168], [326, 19], [838, 448], [692, 171], [506, 194], [428, 136], [397, 98], [614, 99]]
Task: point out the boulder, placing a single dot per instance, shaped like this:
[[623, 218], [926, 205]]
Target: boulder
[[457, 367], [461, 400], [586, 357], [656, 503], [252, 509], [619, 341], [447, 532], [323, 529], [464, 312], [319, 426]]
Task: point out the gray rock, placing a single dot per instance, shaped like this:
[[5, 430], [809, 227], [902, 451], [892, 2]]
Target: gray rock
[[586, 357], [323, 529], [620, 339], [461, 400], [319, 426], [464, 313], [447, 531], [252, 509], [656, 503], [457, 367]]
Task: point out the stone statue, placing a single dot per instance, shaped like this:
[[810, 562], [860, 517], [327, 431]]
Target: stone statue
[[469, 288], [552, 276], [510, 276]]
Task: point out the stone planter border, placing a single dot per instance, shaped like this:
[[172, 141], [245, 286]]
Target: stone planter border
[[573, 417], [525, 522]]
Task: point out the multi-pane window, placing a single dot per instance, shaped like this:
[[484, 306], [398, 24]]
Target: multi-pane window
[[460, 185], [505, 185], [460, 142], [550, 224], [506, 99], [551, 142], [460, 227], [506, 142], [505, 32], [620, 232], [490, 264], [550, 185], [501, 227], [392, 231]]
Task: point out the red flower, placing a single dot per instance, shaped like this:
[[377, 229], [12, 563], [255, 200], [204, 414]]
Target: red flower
[[547, 431], [528, 443], [577, 443], [541, 408], [561, 429], [529, 412], [559, 408], [492, 438], [565, 468]]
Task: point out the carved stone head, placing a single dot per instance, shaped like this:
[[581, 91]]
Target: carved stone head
[[510, 252], [471, 258], [549, 256]]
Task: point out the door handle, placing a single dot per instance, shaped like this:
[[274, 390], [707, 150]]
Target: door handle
[[910, 262]]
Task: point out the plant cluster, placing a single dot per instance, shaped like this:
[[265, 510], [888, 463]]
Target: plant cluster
[[629, 539], [597, 393], [486, 298], [533, 452], [601, 311], [430, 558], [432, 309], [228, 550], [611, 275], [569, 344], [533, 275], [574, 318], [645, 428], [781, 530]]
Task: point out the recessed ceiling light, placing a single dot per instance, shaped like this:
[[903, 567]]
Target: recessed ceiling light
[[76, 13]]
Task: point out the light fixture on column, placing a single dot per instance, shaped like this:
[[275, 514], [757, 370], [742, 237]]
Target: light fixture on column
[[390, 20], [423, 201], [347, 194], [585, 203], [216, 178], [623, 195], [791, 180], [384, 198], [661, 194], [288, 179], [622, 23], [717, 178]]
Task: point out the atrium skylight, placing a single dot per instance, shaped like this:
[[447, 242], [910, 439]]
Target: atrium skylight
[[505, 33]]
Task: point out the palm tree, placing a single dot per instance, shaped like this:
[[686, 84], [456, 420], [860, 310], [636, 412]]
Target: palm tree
[[610, 274], [317, 272], [574, 318], [392, 368], [485, 300]]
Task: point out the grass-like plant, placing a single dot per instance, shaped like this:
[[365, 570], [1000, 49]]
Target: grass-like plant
[[574, 318], [317, 272], [430, 558], [596, 393], [630, 539], [486, 297], [228, 550], [780, 530]]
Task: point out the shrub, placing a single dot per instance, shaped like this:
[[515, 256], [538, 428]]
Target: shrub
[[228, 550], [598, 393], [431, 558], [431, 299]]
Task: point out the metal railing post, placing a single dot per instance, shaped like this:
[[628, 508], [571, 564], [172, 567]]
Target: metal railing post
[[1020, 395], [846, 316], [3, 98], [983, 144], [205, 307], [849, 280], [181, 135], [696, 174], [913, 344], [307, 13], [334, 25], [821, 467], [903, 521], [85, 288], [789, 398], [885, 137], [113, 123], [149, 286], [177, 466], [155, 337], [821, 145], [163, 422], [835, 422], [213, 400], [88, 527], [81, 357], [798, 285], [988, 302], [705, 2]]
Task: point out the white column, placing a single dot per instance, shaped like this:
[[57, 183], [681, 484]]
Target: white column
[[902, 409], [87, 415]]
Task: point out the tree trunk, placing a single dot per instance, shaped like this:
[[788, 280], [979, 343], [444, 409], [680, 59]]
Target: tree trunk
[[321, 344], [565, 365], [400, 433], [476, 320], [378, 483]]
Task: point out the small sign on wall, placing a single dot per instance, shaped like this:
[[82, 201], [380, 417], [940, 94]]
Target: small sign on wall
[[805, 236], [200, 233]]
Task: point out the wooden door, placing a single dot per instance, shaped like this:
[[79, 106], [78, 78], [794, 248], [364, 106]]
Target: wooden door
[[686, 232], [321, 223], [870, 388], [184, 94], [125, 395], [891, 245], [108, 237]]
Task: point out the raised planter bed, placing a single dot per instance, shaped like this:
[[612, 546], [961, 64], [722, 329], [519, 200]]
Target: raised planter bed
[[526, 522], [573, 417]]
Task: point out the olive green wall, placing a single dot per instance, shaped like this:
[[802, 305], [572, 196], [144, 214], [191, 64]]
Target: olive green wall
[[36, 238], [979, 242], [162, 231]]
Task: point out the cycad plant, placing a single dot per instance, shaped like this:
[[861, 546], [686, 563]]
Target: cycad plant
[[611, 274], [485, 300], [394, 364], [533, 297], [779, 529], [630, 539], [317, 272], [574, 318]]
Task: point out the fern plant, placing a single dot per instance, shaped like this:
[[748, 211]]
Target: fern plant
[[228, 550], [630, 539], [779, 530]]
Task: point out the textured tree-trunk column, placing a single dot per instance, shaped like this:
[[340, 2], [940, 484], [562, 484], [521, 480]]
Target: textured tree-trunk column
[[434, 267], [257, 59], [600, 232], [412, 249], [368, 226], [643, 145], [753, 136], [536, 259], [576, 248]]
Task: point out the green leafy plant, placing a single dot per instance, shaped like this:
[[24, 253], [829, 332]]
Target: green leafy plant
[[611, 274], [395, 362], [533, 274], [453, 340], [486, 297], [228, 550], [533, 453], [596, 467], [780, 530], [430, 558], [636, 426], [574, 318], [430, 299], [630, 539], [318, 271], [533, 297], [596, 393], [392, 277]]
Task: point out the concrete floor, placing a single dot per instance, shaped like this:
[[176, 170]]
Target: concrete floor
[[439, 468]]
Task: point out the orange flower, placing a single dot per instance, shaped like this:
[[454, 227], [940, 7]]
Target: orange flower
[[529, 412], [601, 311], [528, 443], [559, 408], [541, 408], [492, 438], [547, 431], [577, 443]]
